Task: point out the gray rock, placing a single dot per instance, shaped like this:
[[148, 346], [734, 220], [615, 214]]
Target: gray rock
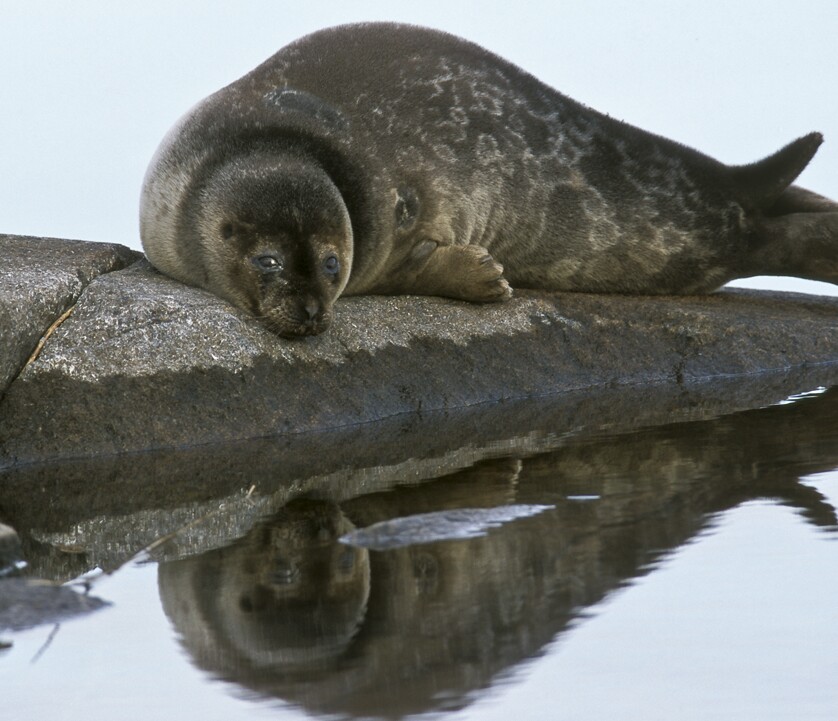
[[40, 278], [448, 525], [145, 363], [25, 603], [11, 553]]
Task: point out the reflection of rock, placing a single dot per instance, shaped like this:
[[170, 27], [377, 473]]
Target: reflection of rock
[[25, 603], [421, 528], [28, 602], [11, 554], [84, 514], [284, 598], [443, 620]]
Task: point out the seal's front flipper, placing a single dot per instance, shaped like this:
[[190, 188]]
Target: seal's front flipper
[[465, 272]]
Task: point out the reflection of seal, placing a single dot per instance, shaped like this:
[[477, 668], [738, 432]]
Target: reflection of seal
[[385, 158], [285, 597]]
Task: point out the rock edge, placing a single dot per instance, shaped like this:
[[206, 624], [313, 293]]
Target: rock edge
[[143, 362]]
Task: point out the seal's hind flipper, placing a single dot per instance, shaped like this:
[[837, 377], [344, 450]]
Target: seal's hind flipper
[[799, 244], [759, 185], [795, 199]]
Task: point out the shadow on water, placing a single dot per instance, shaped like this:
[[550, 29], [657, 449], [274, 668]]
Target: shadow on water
[[264, 593]]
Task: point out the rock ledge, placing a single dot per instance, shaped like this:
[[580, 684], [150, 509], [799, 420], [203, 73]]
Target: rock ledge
[[143, 362]]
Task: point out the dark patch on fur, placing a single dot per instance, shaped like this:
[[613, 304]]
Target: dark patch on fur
[[407, 207], [289, 100]]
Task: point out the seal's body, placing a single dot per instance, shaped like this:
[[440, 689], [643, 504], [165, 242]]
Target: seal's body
[[383, 158]]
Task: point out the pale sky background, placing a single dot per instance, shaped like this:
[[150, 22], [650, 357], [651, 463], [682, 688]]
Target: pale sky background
[[88, 89]]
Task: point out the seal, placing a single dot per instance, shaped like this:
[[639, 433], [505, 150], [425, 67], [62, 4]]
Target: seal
[[390, 159]]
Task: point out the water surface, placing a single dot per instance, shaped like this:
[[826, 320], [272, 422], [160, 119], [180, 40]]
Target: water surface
[[687, 570]]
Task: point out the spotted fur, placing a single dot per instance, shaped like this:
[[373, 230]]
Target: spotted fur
[[461, 174]]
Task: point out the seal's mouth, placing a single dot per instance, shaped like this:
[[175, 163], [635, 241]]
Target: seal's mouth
[[296, 325]]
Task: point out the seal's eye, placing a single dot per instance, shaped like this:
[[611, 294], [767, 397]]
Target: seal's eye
[[267, 263], [331, 265], [227, 231]]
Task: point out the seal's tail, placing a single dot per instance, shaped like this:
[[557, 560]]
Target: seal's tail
[[759, 185]]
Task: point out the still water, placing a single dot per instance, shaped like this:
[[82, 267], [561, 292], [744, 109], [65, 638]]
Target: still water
[[614, 567]]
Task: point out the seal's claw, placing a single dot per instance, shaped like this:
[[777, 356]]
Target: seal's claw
[[481, 275]]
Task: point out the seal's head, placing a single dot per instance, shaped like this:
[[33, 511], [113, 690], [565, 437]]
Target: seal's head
[[276, 240]]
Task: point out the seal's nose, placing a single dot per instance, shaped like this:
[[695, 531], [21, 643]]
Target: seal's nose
[[312, 308]]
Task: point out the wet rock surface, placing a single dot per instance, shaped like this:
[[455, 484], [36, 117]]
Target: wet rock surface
[[143, 362]]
